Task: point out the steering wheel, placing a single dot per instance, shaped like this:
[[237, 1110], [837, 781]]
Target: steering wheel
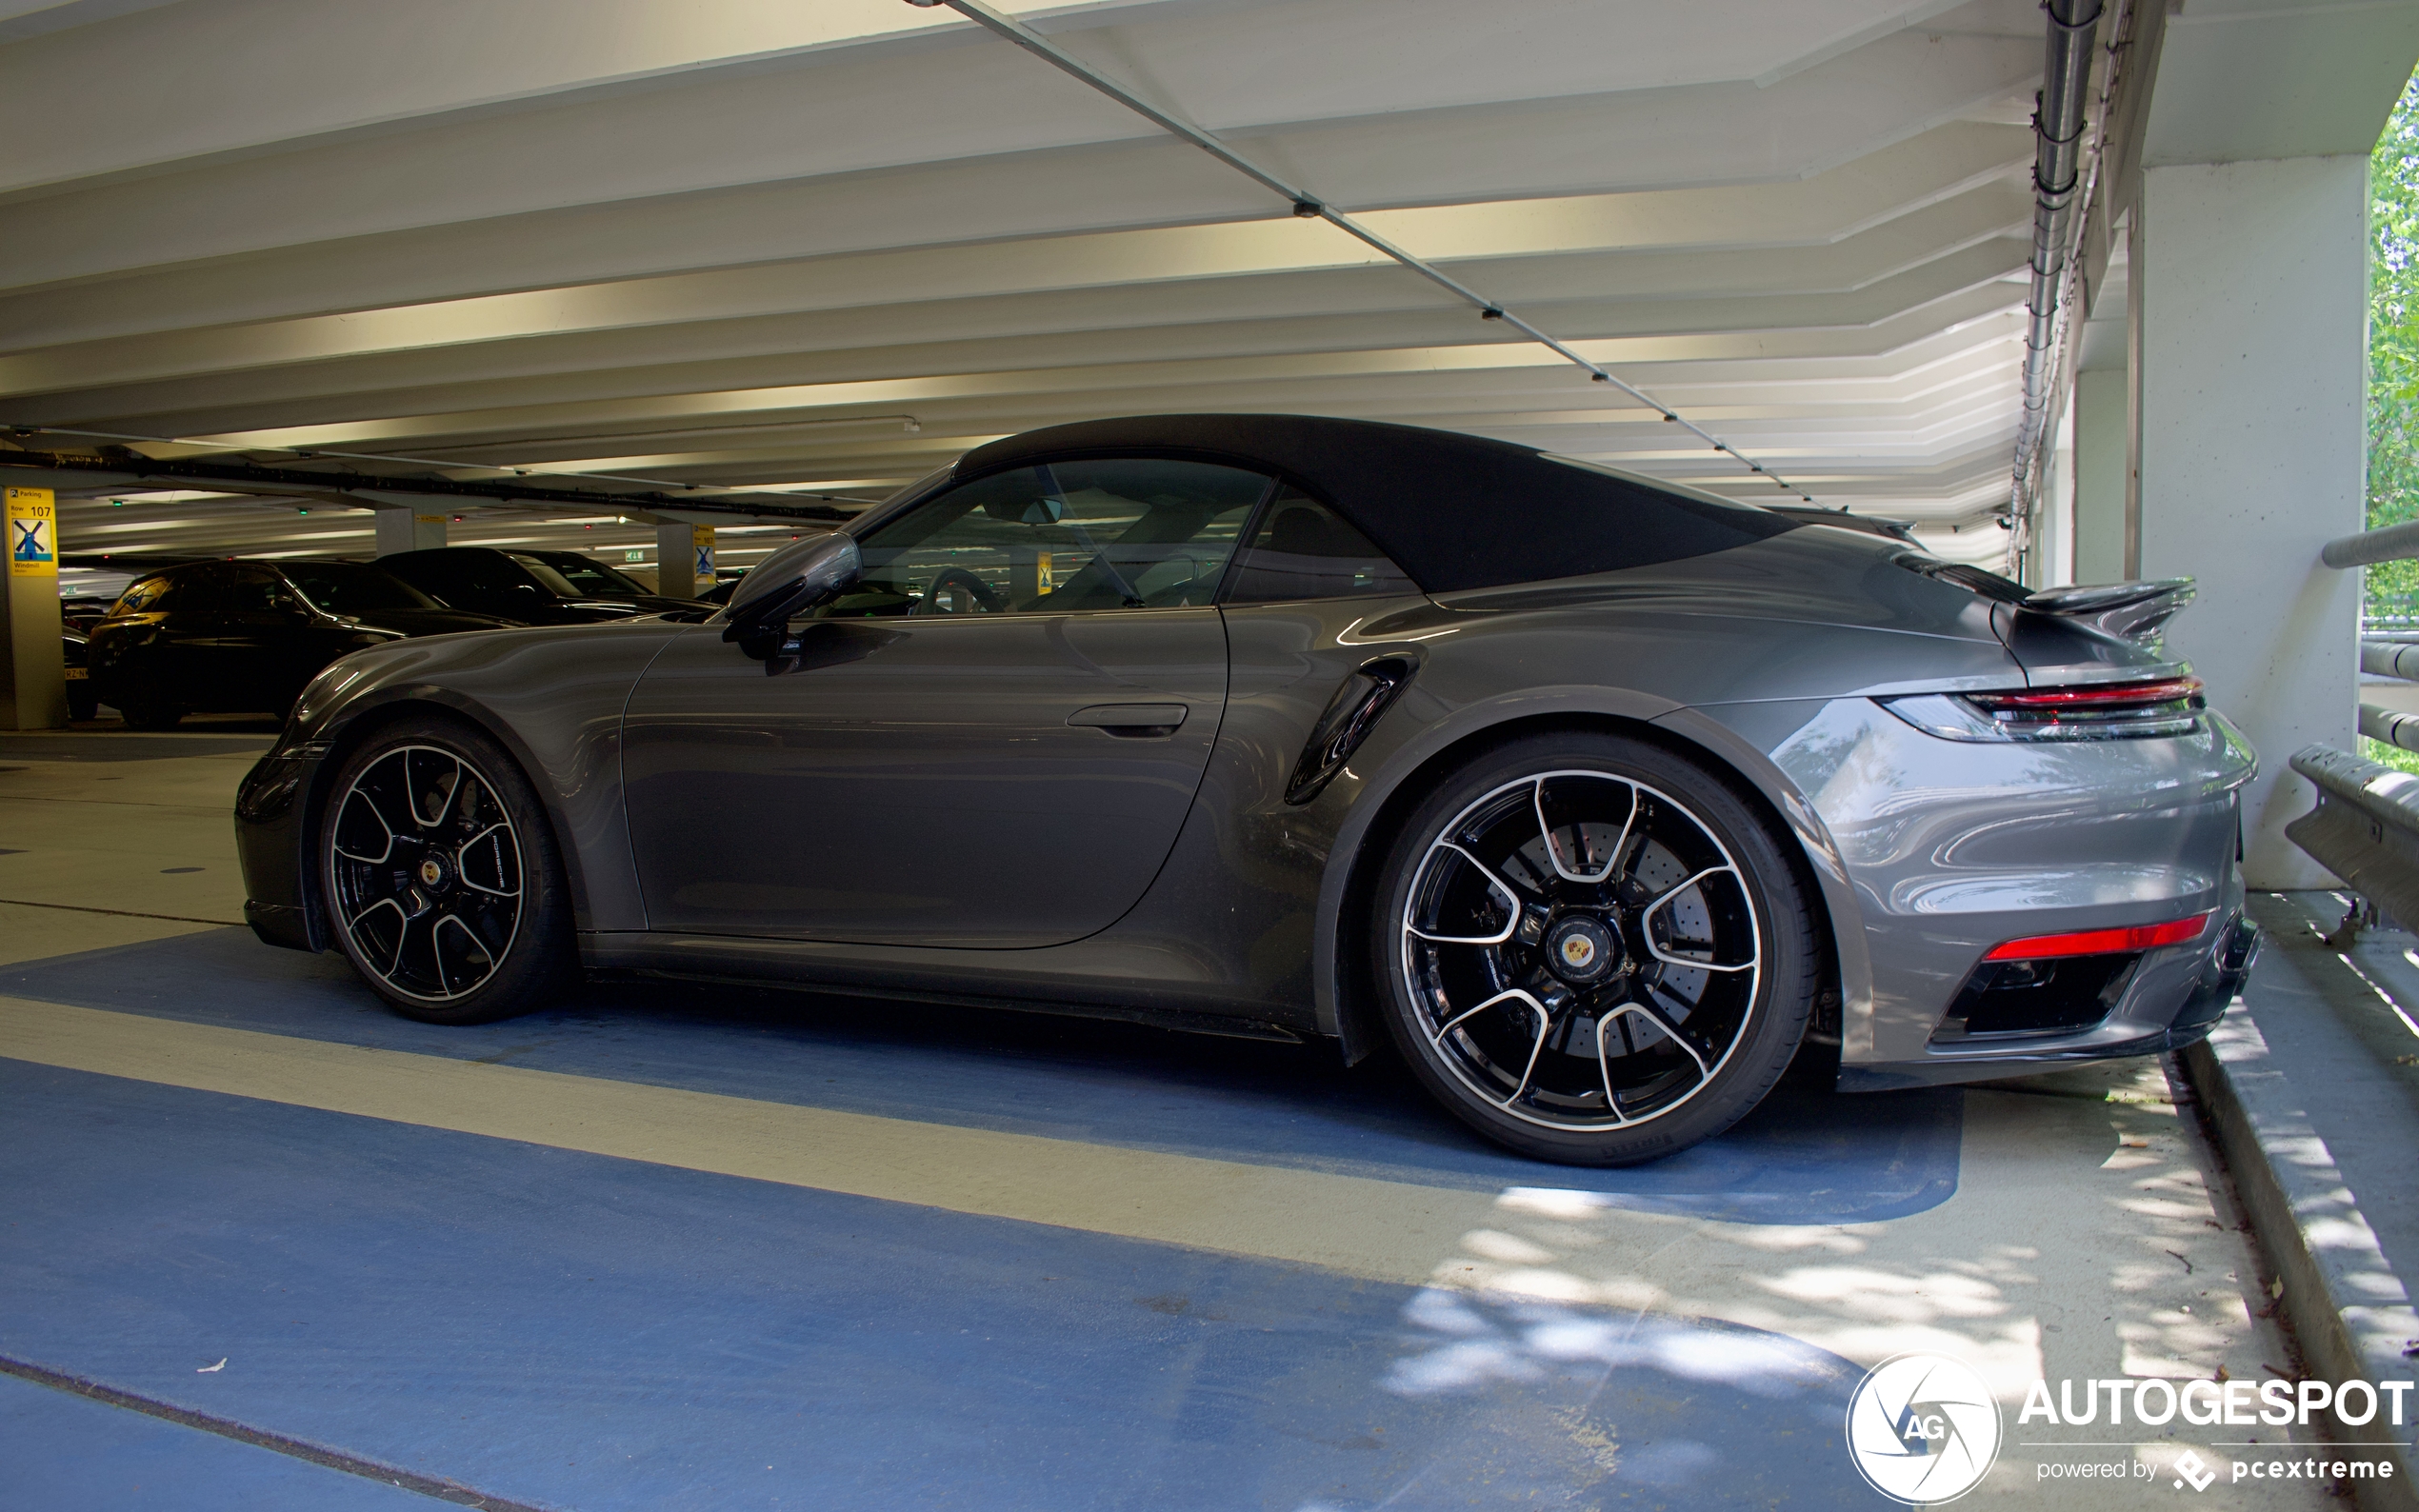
[[959, 579]]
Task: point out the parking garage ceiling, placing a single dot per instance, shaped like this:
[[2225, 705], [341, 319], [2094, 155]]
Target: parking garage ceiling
[[745, 252]]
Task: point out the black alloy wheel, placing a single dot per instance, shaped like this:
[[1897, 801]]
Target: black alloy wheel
[[1591, 950], [441, 876]]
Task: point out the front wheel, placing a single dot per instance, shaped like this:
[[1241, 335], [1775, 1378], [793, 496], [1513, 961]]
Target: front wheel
[[1591, 950], [440, 873]]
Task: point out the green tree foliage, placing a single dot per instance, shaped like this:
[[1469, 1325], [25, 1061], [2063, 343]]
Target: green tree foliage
[[2393, 348]]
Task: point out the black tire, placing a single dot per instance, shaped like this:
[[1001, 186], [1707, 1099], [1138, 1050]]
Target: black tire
[[1627, 843], [463, 917], [150, 716]]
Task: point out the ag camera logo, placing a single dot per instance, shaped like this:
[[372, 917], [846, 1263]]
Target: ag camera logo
[[1923, 1429]]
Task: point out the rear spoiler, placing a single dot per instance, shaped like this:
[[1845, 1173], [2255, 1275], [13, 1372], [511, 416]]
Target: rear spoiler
[[2132, 611]]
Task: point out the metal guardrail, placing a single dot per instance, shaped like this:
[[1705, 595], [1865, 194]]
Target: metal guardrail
[[2395, 542], [2366, 827], [2385, 649], [2396, 659]]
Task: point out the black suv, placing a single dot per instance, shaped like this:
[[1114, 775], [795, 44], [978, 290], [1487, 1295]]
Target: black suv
[[244, 637], [536, 587]]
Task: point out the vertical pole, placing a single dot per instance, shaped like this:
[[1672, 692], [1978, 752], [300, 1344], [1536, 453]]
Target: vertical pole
[[675, 563], [36, 694], [2129, 536], [2103, 438], [684, 558], [403, 530]]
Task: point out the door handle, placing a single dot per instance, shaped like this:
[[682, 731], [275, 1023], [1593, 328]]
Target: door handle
[[1131, 721]]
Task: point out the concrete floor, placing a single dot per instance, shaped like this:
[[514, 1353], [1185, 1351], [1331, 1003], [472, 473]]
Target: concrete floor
[[670, 1249]]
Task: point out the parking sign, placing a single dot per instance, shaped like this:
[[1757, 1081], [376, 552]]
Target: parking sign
[[34, 533]]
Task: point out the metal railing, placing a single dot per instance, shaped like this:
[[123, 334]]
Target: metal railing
[[2365, 825]]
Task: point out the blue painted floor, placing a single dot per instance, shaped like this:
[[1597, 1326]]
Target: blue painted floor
[[1807, 1156], [61, 1451], [570, 1330]]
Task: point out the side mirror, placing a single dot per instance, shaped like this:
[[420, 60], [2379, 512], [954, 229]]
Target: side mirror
[[806, 572]]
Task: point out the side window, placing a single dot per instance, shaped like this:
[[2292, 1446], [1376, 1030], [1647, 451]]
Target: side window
[[250, 590], [1306, 550], [436, 575], [1137, 533], [144, 595], [201, 589], [483, 573]]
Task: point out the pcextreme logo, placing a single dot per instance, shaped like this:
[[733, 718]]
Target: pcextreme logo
[[1923, 1429]]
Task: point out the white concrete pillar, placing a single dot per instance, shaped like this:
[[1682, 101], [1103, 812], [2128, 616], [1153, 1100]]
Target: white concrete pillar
[[2050, 562], [404, 530], [33, 689], [2102, 408], [2250, 283], [684, 558]]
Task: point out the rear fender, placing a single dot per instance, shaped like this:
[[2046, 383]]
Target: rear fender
[[1419, 737]]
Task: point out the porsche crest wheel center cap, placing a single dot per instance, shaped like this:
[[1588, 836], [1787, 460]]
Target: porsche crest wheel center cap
[[431, 872], [1582, 950]]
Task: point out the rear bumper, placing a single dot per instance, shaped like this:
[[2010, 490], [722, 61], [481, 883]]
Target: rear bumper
[[1949, 848], [2176, 997], [272, 810]]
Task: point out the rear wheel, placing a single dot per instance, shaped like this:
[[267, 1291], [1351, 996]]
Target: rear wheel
[[1591, 950], [441, 876]]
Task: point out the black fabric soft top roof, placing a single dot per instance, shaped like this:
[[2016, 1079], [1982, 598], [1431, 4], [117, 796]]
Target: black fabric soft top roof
[[1454, 511]]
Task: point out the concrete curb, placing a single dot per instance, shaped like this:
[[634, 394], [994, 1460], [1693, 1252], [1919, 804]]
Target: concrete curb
[[2348, 1310]]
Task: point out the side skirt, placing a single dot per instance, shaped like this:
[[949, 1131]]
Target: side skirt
[[786, 966]]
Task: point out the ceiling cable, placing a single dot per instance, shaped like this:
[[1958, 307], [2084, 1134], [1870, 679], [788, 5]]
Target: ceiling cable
[[1310, 206]]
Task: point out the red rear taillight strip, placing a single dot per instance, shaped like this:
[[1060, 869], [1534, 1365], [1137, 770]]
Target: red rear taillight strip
[[2103, 942], [2101, 695]]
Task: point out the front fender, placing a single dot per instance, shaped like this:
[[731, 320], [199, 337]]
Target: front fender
[[551, 697]]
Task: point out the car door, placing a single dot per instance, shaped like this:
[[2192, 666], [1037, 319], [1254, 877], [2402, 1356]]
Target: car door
[[135, 653], [989, 740], [188, 652], [260, 653]]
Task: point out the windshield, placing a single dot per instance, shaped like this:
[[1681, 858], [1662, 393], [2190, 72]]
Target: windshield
[[349, 588], [574, 576]]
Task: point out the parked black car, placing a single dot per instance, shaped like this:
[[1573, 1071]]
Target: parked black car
[[236, 637], [536, 587], [81, 703]]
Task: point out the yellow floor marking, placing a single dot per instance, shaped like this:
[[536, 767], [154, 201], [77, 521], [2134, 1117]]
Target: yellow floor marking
[[29, 933], [1383, 1230]]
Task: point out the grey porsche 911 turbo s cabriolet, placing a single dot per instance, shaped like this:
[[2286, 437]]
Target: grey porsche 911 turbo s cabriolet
[[1597, 797]]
